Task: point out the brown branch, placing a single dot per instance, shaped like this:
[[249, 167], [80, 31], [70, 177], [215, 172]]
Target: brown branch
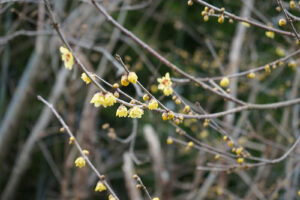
[[66, 127], [237, 18]]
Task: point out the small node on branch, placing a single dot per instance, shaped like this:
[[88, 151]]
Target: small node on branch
[[62, 129], [105, 126], [135, 176], [102, 177]]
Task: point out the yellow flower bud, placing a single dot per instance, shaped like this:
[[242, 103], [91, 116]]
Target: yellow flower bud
[[240, 160], [190, 144], [267, 69], [170, 115], [224, 82], [205, 18], [115, 85], [177, 101], [164, 116], [292, 4], [221, 19], [217, 157], [230, 144], [116, 94], [111, 197], [292, 64], [270, 34], [146, 97], [169, 141], [71, 140], [186, 109], [282, 22]]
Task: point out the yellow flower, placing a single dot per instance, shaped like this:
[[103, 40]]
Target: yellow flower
[[122, 111], [98, 99], [156, 198], [190, 2], [168, 91], [270, 34], [251, 75], [111, 197], [132, 77], [152, 104], [100, 187], [136, 112], [164, 116], [170, 115], [67, 57], [299, 193], [109, 100], [86, 79], [238, 151], [86, 152], [124, 80], [165, 84], [224, 82], [80, 162]]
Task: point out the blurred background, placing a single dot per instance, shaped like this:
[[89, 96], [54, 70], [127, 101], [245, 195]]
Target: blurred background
[[36, 160]]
